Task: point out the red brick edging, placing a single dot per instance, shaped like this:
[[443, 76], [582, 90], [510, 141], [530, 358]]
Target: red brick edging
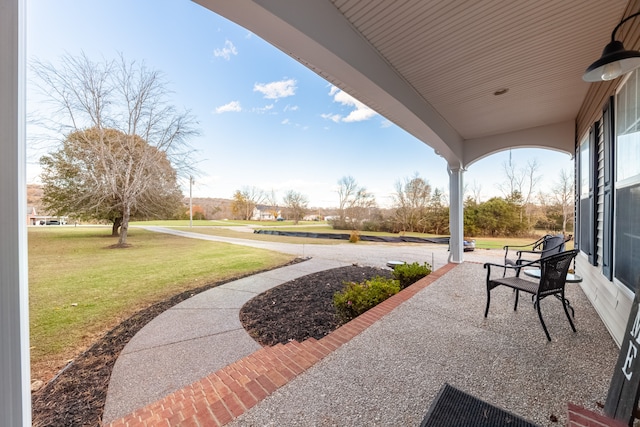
[[226, 394], [577, 416]]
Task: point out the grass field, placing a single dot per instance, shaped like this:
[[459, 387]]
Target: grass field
[[79, 289]]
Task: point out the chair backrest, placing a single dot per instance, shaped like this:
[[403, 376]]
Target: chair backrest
[[552, 245], [553, 272]]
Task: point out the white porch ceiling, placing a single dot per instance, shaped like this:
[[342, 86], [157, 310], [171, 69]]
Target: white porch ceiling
[[432, 66]]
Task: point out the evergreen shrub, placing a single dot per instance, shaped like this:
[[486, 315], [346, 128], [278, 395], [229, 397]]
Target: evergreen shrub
[[407, 274], [356, 298]]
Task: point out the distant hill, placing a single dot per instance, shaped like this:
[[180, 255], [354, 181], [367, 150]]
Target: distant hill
[[213, 208]]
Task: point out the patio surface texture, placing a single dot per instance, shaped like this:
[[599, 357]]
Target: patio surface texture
[[195, 365]]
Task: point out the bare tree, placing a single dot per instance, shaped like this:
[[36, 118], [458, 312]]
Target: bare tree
[[521, 184], [563, 195], [411, 202], [296, 204], [475, 189], [90, 99], [354, 202], [347, 190], [272, 201], [90, 177], [514, 179], [532, 179], [245, 201]]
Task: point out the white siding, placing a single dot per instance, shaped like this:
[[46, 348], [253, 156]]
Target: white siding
[[611, 301]]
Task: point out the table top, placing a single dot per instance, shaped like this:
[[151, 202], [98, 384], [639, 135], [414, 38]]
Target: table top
[[394, 264], [535, 273]]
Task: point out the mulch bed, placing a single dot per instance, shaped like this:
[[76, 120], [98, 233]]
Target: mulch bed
[[295, 310], [302, 308]]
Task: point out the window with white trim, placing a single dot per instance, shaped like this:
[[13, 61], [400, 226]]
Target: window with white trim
[[586, 187], [627, 184]]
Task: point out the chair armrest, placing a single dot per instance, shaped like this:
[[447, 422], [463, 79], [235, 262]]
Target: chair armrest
[[516, 246], [533, 251], [488, 265]]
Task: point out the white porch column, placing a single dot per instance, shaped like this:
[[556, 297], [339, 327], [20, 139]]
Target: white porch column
[[15, 396], [456, 227]]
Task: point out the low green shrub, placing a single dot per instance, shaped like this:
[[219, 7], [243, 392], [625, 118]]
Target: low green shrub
[[356, 298], [408, 274]]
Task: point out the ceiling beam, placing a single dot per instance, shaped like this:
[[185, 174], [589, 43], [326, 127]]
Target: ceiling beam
[[557, 136]]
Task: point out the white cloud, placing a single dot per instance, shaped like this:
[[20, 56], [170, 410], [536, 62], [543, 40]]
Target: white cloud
[[333, 117], [359, 113], [233, 106], [276, 90], [226, 52], [285, 122], [265, 109], [291, 108]]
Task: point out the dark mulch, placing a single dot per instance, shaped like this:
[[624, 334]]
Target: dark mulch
[[76, 396], [302, 308]]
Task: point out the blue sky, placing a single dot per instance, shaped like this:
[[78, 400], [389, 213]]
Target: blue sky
[[265, 120]]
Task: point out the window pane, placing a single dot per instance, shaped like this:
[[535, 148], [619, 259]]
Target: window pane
[[585, 226], [584, 169], [628, 155], [627, 194], [627, 243]]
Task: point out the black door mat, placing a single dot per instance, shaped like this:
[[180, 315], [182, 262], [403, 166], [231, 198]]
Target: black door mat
[[453, 407]]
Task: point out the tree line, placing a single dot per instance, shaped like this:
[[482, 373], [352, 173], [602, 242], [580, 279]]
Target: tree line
[[417, 207]]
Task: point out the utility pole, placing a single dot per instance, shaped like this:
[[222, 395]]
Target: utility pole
[[190, 202]]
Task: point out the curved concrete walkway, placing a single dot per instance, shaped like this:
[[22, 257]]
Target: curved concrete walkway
[[191, 340]]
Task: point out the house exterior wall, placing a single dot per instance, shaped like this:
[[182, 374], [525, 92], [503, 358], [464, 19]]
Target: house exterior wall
[[611, 299]]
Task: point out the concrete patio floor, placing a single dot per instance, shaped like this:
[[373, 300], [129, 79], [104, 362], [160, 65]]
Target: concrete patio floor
[[388, 374]]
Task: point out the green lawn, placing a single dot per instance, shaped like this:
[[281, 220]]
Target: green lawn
[[79, 289]]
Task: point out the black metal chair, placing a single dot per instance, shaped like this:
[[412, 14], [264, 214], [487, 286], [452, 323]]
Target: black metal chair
[[553, 275], [543, 247]]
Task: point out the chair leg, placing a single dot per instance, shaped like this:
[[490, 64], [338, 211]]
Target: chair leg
[[564, 305], [486, 310], [515, 304], [542, 320]]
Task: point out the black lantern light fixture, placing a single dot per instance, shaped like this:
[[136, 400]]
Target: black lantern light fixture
[[615, 60]]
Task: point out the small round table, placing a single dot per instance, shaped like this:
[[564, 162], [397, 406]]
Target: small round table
[[571, 278], [535, 273]]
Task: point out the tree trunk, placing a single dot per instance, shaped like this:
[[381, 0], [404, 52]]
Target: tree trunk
[[125, 226], [116, 225]]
